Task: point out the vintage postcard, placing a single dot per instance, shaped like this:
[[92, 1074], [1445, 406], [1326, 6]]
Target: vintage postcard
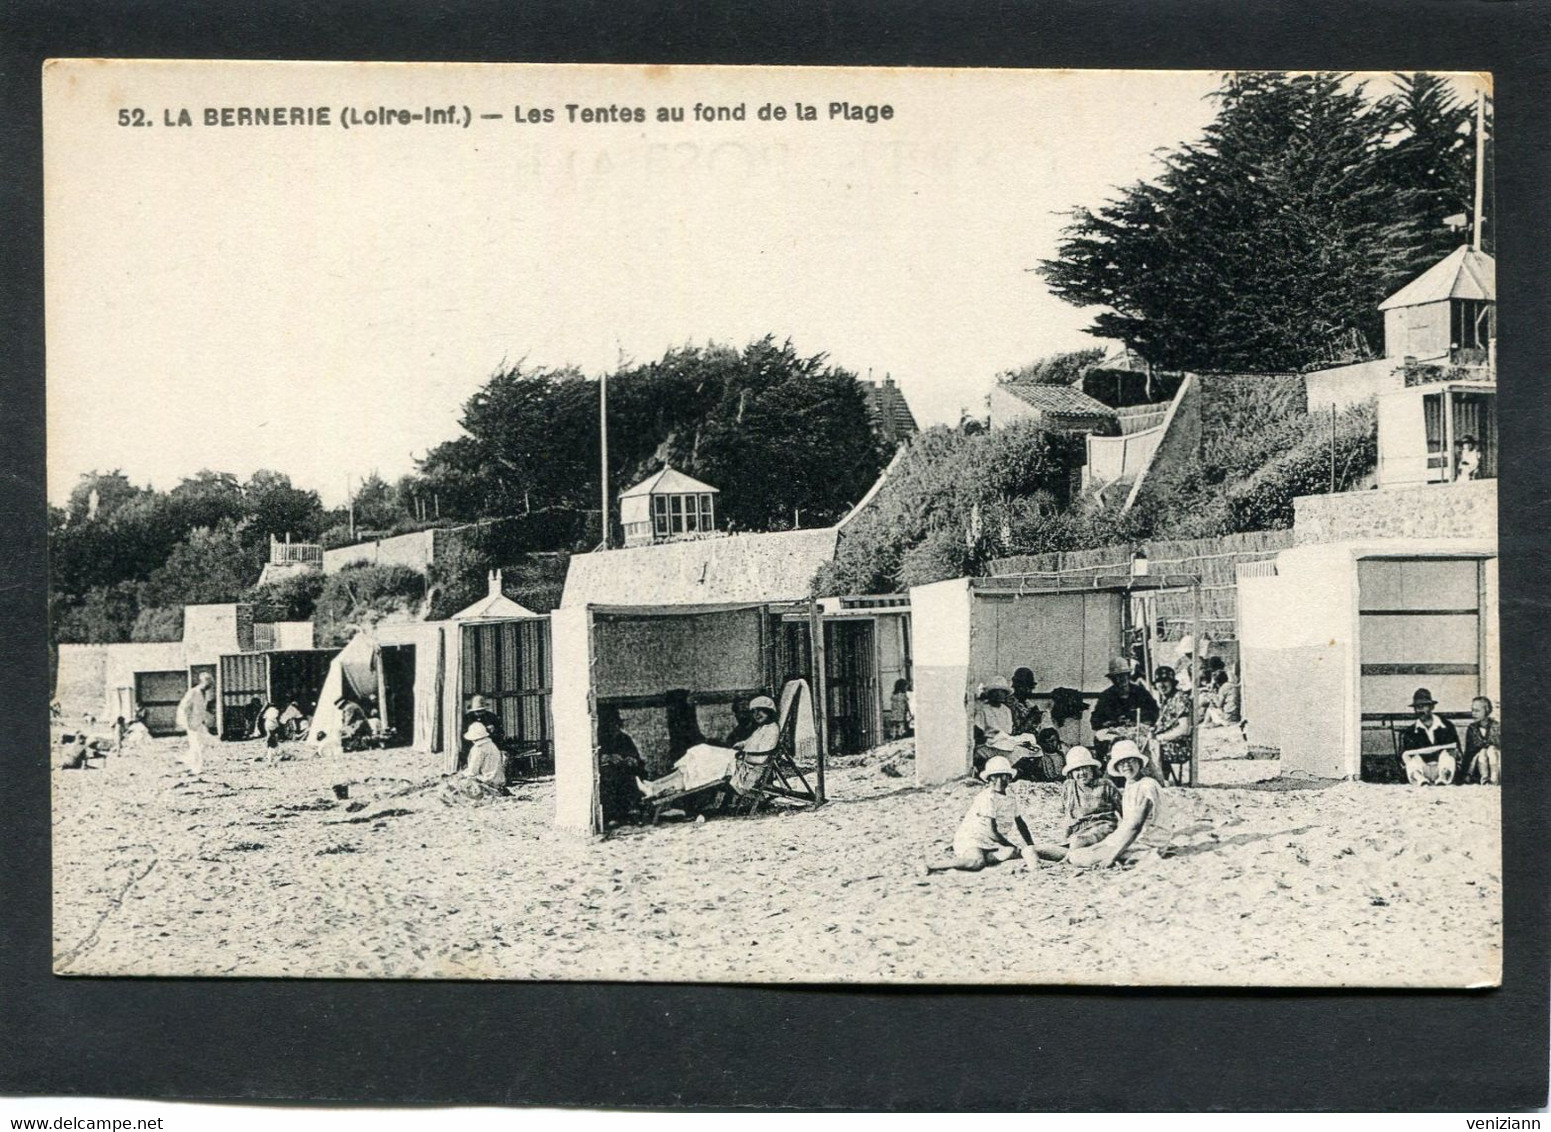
[[773, 524]]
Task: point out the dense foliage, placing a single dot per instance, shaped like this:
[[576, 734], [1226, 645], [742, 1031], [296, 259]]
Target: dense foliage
[[1057, 369], [786, 438], [949, 503], [953, 501], [125, 559], [1269, 244]]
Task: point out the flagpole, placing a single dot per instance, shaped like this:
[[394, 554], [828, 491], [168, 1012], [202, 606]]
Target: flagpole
[[1480, 163], [603, 458]]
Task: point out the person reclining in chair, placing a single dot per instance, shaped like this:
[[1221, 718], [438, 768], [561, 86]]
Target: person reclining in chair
[[707, 763]]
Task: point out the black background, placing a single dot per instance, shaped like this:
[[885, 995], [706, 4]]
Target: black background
[[650, 1045]]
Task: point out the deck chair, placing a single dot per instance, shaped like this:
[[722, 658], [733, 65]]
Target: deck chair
[[761, 779], [757, 780], [715, 797]]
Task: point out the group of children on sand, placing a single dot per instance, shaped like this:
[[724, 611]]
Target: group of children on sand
[[1106, 825]]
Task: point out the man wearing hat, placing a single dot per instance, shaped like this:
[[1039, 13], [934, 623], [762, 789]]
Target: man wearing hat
[[1121, 707], [352, 720], [479, 712], [992, 830], [1429, 748]]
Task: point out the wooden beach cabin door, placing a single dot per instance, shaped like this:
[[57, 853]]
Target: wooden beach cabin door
[[508, 663], [851, 672], [397, 668], [244, 678]]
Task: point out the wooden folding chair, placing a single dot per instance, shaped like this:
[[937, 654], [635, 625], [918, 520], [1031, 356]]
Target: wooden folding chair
[[773, 775], [716, 794], [757, 780]]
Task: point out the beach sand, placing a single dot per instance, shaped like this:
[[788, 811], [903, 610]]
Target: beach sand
[[257, 869]]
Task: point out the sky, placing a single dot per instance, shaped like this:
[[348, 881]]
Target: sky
[[321, 300]]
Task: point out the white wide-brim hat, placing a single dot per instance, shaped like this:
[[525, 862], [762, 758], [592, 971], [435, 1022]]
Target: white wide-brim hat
[[1122, 750], [1077, 758], [997, 764]]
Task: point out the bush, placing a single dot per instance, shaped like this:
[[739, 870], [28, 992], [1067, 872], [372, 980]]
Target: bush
[[1246, 420], [458, 578], [103, 615], [359, 596], [1057, 369], [1264, 500], [336, 536], [947, 506], [292, 598], [158, 623]]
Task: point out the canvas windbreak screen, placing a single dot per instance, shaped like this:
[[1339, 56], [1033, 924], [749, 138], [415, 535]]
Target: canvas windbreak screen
[[1067, 639], [704, 652]]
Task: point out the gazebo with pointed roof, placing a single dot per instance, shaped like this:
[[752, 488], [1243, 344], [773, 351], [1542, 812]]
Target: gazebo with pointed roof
[[1447, 312], [667, 505]]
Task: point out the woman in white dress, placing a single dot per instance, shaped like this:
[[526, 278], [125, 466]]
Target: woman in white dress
[[707, 763]]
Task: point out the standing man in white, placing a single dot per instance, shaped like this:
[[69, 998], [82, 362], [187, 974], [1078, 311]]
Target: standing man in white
[[194, 718]]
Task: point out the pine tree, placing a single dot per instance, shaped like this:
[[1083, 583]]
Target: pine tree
[[1274, 236]]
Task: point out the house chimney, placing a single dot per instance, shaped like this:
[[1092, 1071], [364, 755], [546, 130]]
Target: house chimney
[[495, 583]]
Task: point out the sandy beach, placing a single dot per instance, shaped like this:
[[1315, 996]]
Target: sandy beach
[[257, 869]]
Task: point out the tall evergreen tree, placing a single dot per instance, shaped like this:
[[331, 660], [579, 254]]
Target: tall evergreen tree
[[1271, 239], [1434, 149]]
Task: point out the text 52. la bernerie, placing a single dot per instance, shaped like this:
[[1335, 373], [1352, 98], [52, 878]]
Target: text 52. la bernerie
[[463, 116]]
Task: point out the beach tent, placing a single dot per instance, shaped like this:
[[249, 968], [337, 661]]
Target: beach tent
[[1334, 638], [631, 658], [353, 673], [414, 659], [969, 630], [867, 649]]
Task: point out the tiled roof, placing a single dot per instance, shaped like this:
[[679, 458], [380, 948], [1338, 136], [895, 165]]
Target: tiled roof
[[1066, 399], [889, 411]]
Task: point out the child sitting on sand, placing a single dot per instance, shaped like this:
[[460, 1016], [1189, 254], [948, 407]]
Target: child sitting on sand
[[1483, 744], [986, 835], [1144, 826], [1090, 800]]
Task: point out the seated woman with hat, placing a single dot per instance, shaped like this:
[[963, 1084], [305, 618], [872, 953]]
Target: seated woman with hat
[[995, 730], [992, 831], [1429, 748], [707, 763], [1174, 724]]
